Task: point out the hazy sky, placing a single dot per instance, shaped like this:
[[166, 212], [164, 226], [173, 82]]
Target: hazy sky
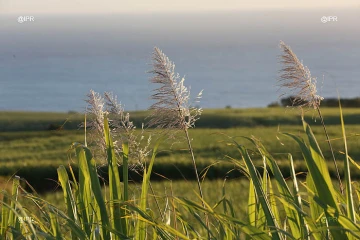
[[141, 6]]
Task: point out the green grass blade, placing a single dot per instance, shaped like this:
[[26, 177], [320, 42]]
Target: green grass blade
[[316, 212], [200, 220], [346, 224], [223, 197], [5, 211], [54, 225], [349, 192], [163, 230], [84, 155], [320, 176], [270, 218], [226, 228], [84, 198], [252, 205], [251, 231], [125, 147], [125, 156], [301, 222], [283, 188], [14, 194], [317, 169], [27, 225], [117, 214], [273, 203], [264, 185], [320, 163], [79, 233], [140, 232], [70, 202]]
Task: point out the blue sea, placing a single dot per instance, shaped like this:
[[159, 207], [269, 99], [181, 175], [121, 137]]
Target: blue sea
[[52, 62]]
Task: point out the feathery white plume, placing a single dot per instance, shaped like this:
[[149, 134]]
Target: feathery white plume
[[172, 109], [297, 78]]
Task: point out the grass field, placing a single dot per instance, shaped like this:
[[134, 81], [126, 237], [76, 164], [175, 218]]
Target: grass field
[[278, 170], [236, 191], [211, 118], [50, 148], [42, 151]]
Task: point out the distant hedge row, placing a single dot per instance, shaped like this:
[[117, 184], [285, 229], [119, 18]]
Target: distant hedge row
[[327, 102]]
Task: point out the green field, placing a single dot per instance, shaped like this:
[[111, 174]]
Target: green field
[[211, 118], [236, 191], [31, 151]]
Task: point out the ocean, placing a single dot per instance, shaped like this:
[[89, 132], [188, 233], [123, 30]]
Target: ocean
[[52, 62]]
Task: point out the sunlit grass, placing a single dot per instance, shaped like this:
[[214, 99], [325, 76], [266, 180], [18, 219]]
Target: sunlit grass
[[50, 148]]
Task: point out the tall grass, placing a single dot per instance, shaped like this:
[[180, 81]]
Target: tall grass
[[297, 77], [172, 109], [276, 208]]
